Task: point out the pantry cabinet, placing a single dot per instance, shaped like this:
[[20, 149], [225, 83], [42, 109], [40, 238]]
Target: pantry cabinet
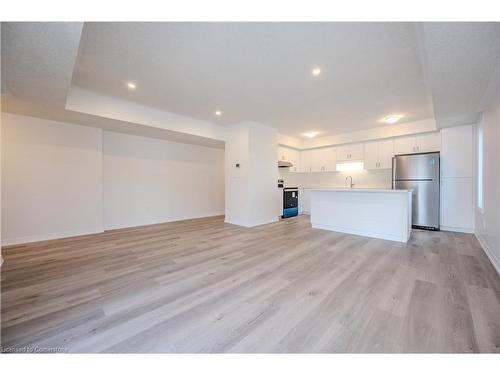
[[350, 152], [429, 142], [457, 185], [457, 151], [457, 204], [378, 154], [304, 201]]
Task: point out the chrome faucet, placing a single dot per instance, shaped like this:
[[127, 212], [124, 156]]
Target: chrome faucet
[[351, 184]]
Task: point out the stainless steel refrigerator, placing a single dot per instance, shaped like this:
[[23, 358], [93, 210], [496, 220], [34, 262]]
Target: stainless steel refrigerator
[[419, 173]]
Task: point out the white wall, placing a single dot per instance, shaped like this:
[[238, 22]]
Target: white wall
[[236, 181], [488, 220], [1, 92], [149, 181], [263, 174], [93, 103], [51, 179], [251, 188], [61, 180]]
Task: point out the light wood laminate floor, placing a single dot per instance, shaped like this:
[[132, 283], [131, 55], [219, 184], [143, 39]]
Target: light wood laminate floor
[[206, 286]]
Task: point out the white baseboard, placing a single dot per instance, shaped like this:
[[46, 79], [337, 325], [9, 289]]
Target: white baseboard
[[382, 236], [49, 236], [455, 229], [160, 221], [489, 253], [254, 223]]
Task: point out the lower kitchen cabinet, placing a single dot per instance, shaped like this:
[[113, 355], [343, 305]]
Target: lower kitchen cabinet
[[304, 201], [457, 204]]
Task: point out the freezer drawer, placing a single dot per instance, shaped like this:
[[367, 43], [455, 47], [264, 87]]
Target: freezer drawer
[[425, 198], [416, 167]]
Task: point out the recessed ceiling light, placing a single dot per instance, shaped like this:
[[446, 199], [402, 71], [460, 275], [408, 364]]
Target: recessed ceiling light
[[392, 119], [310, 134], [316, 72], [218, 113], [131, 85]]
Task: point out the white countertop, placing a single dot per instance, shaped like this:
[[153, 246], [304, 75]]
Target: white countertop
[[361, 190]]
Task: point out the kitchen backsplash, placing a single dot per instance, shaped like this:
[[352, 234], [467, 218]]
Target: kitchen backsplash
[[361, 179]]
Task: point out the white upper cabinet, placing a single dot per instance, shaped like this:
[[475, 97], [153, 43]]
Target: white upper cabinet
[[350, 152], [295, 160], [326, 159], [318, 160], [429, 142], [290, 155], [378, 154], [412, 144], [283, 154], [385, 153], [371, 155], [306, 161], [405, 145], [457, 151]]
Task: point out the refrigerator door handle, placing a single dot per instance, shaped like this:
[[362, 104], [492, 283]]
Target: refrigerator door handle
[[416, 179]]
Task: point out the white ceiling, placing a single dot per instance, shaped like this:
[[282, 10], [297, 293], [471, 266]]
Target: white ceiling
[[457, 52], [261, 71], [254, 71]]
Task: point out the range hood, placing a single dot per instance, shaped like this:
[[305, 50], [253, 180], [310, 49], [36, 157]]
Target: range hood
[[284, 164]]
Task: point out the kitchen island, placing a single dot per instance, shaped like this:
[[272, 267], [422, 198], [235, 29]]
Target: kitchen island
[[378, 213]]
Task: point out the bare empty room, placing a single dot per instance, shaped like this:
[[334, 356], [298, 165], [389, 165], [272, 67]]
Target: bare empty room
[[250, 187]]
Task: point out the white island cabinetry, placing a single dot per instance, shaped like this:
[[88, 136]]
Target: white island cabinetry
[[378, 213]]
